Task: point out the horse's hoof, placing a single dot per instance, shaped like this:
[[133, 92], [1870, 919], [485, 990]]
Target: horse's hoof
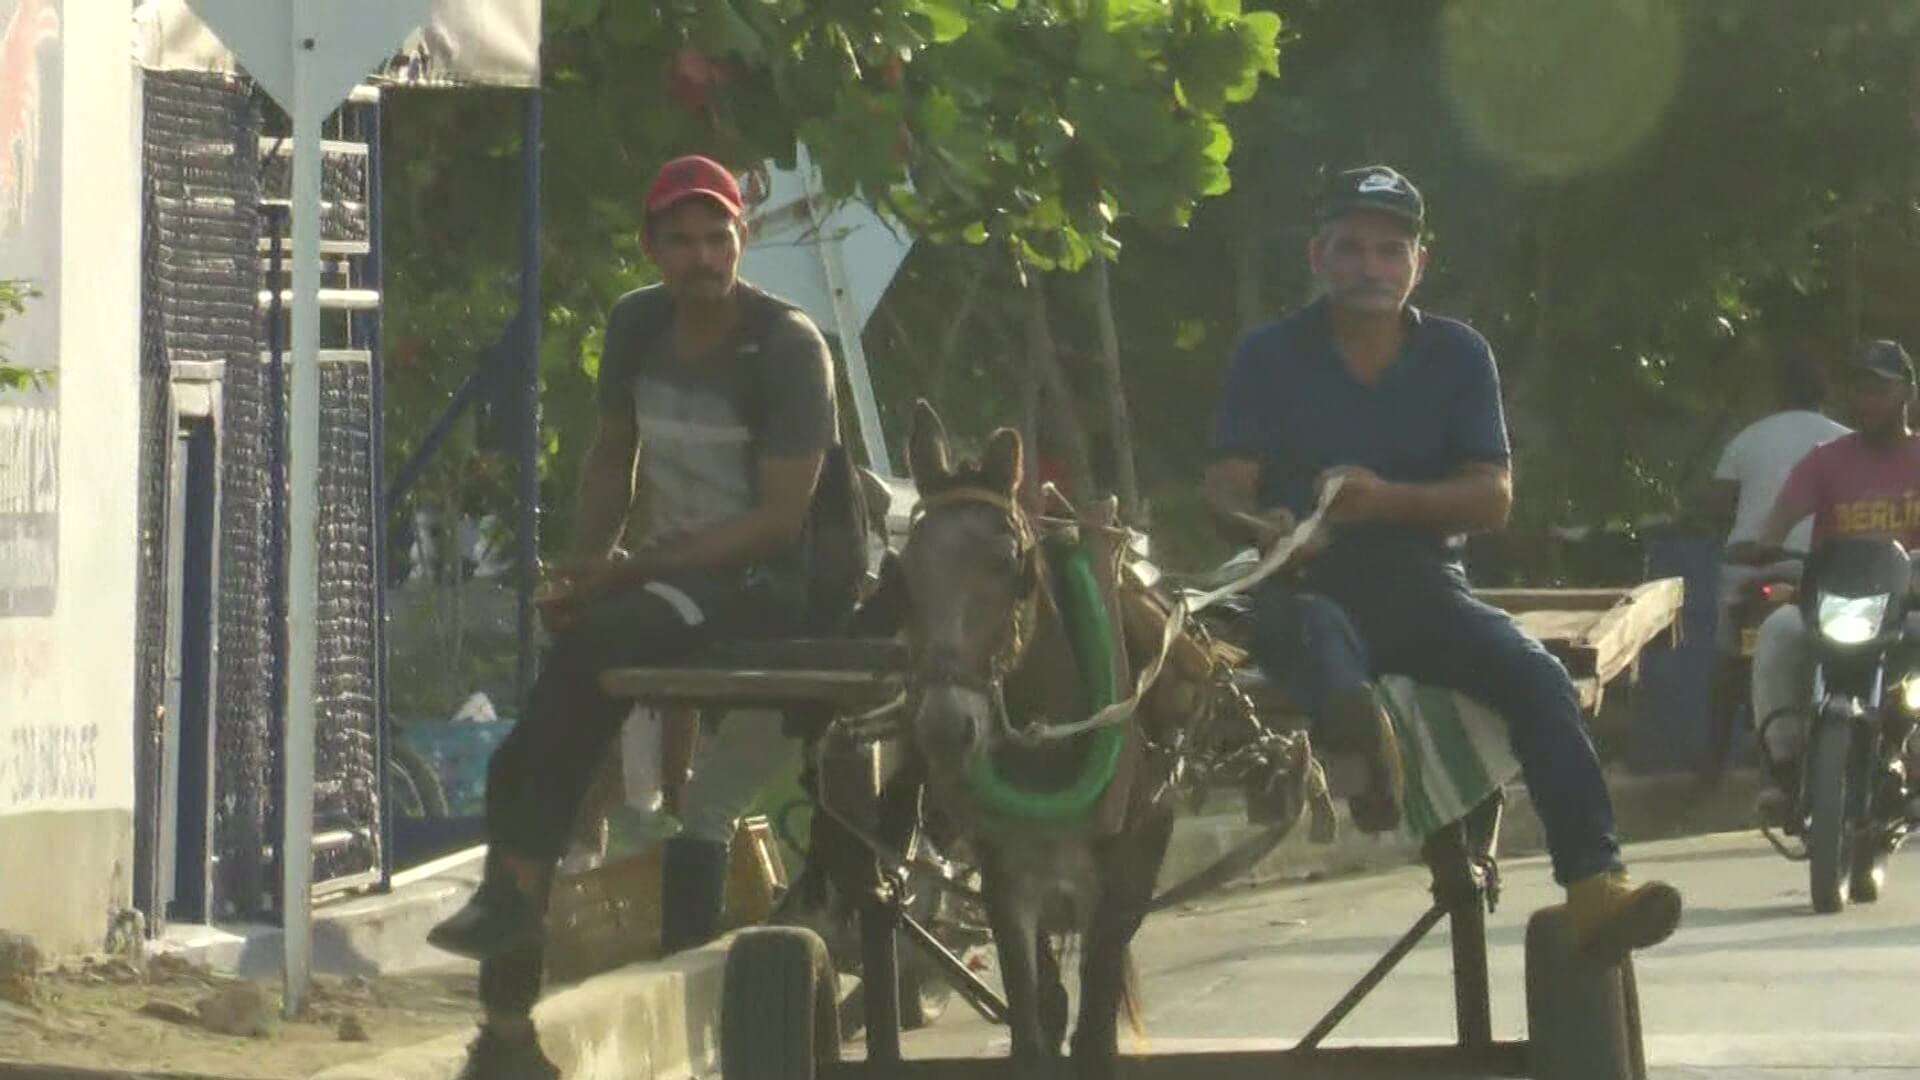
[[1095, 1066], [1094, 1062], [1042, 1069]]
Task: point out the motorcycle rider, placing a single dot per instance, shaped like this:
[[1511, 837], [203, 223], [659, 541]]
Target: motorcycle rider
[[1751, 471], [1866, 483]]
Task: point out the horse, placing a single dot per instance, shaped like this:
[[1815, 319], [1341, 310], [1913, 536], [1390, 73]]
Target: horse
[[993, 665]]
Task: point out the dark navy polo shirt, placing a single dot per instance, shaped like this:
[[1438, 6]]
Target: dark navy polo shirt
[[1291, 404]]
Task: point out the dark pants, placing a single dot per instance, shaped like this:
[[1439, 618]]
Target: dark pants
[[1341, 630], [538, 777]]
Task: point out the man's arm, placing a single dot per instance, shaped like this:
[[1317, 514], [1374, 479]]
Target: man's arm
[[1719, 501], [1242, 422], [1798, 498], [606, 484], [1476, 498], [1719, 498], [1231, 489]]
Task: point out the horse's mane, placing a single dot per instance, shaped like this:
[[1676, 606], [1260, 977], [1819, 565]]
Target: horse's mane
[[966, 476]]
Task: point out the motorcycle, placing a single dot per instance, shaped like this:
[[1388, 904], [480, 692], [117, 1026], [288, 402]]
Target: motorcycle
[[1851, 809], [1752, 602]]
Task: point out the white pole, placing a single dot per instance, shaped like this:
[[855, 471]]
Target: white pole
[[847, 325], [303, 473]]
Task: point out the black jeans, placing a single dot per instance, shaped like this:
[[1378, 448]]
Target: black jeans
[[538, 777]]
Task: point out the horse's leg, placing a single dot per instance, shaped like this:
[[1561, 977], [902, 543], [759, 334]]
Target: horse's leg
[[1014, 915], [1128, 865], [1053, 994]]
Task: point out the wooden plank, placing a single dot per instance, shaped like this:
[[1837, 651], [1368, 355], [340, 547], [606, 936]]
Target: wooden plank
[[804, 654], [1599, 643], [718, 686], [1233, 1059], [1618, 636], [1520, 600]]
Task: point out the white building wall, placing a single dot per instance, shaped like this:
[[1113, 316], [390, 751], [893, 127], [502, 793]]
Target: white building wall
[[68, 476]]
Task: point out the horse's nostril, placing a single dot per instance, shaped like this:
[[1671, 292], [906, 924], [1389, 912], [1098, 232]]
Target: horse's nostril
[[949, 722]]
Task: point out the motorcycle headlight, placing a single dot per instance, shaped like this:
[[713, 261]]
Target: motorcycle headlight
[[1852, 620], [1910, 693]]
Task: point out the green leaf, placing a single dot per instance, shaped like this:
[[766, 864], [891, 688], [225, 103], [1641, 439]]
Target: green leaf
[[565, 14], [1219, 142], [949, 20]]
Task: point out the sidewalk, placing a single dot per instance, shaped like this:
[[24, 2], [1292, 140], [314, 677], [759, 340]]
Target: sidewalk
[[657, 1021]]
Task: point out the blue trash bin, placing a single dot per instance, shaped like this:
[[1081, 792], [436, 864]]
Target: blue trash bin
[[1676, 680]]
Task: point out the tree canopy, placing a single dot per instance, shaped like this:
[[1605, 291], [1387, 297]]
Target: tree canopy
[[1639, 202]]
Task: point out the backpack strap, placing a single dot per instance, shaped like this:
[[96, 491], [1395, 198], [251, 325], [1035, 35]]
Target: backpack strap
[[652, 319]]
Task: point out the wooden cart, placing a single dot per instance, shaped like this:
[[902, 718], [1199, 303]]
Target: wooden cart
[[780, 1022]]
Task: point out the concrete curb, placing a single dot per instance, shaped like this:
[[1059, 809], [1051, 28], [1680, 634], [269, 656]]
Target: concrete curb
[[657, 1021], [660, 1021], [377, 934]]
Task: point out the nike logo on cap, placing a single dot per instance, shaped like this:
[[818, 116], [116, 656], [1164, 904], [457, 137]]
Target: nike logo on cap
[[1381, 181]]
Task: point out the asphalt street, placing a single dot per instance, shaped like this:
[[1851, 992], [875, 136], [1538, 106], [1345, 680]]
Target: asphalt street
[[1753, 985]]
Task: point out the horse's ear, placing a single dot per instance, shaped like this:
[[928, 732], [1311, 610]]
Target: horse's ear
[[927, 445], [1001, 465]]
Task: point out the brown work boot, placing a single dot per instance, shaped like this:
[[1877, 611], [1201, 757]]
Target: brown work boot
[[1612, 917], [1357, 724]]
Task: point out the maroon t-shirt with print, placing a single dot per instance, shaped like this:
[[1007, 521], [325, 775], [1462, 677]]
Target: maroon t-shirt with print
[[1853, 489]]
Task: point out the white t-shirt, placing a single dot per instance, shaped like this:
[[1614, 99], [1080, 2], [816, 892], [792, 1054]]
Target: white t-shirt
[[1759, 459]]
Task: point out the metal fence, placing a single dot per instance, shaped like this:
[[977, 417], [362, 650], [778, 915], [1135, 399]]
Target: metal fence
[[210, 200]]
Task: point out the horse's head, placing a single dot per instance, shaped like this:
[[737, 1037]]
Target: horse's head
[[973, 570]]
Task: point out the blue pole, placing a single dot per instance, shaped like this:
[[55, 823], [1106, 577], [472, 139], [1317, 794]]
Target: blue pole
[[411, 469], [529, 426]]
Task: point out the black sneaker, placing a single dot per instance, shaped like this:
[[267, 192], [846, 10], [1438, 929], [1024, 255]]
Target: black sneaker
[[493, 1056], [497, 919]]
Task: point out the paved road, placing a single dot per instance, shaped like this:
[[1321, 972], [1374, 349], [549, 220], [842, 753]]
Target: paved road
[[1753, 985]]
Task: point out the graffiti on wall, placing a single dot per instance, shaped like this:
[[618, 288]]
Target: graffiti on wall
[[49, 763], [30, 71]]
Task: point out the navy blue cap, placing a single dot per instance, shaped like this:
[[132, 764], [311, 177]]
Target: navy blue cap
[[1887, 360], [1378, 188]]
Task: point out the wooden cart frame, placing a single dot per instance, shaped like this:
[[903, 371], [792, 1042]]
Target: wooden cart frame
[[780, 1019]]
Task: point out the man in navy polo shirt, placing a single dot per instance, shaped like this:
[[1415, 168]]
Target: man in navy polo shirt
[[1404, 406]]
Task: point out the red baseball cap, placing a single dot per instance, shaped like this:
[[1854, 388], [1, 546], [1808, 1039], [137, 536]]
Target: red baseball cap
[[693, 175]]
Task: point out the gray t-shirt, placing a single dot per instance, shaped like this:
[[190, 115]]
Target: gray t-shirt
[[706, 421]]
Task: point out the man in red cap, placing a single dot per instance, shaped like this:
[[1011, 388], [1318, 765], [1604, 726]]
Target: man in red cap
[[730, 393]]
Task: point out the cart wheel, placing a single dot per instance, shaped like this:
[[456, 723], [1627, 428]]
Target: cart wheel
[[779, 1014], [1583, 1019]]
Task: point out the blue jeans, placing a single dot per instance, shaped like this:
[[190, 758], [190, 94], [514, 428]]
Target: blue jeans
[[1339, 630]]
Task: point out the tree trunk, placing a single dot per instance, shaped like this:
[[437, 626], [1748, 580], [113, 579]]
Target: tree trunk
[[1528, 406], [1011, 359], [1246, 277], [1855, 296], [950, 341], [1063, 417], [1125, 472]]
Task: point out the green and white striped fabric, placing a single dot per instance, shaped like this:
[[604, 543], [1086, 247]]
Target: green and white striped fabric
[[1454, 749]]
